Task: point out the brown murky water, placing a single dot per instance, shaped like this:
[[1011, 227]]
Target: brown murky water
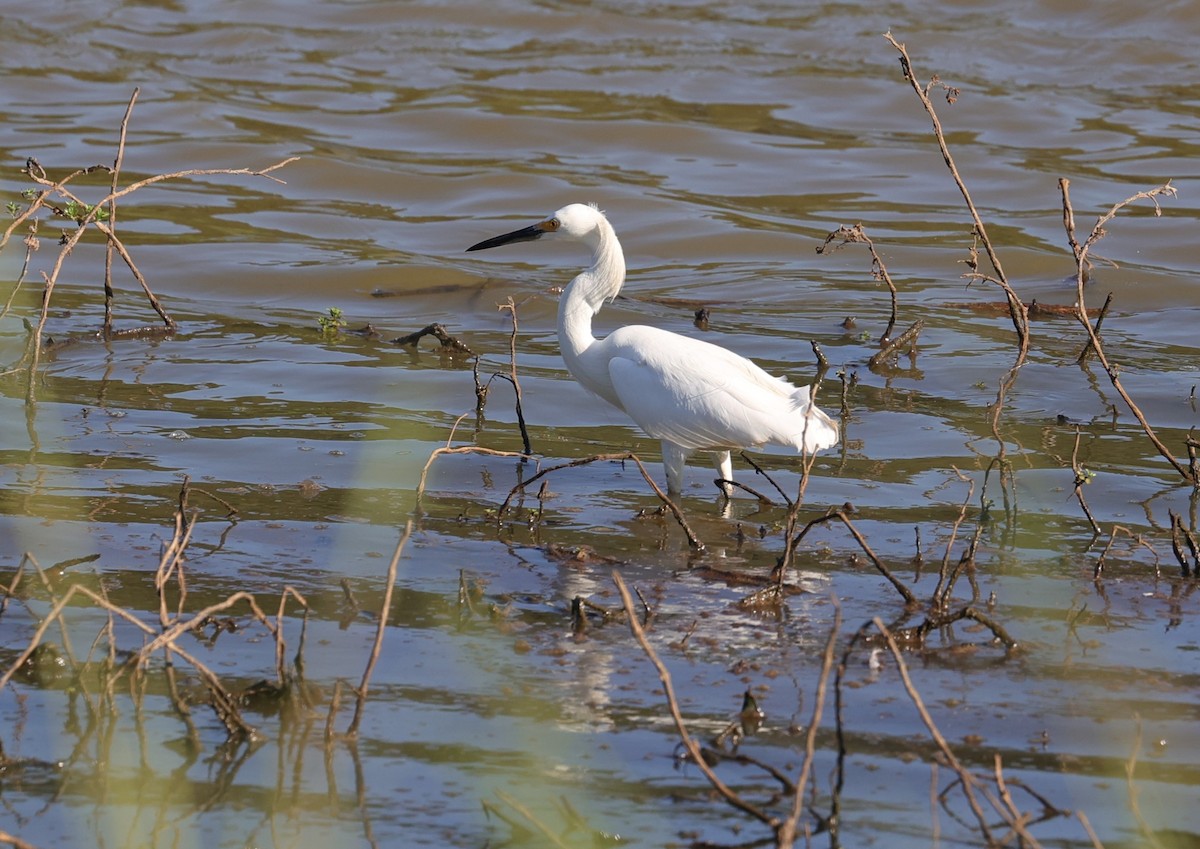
[[725, 141]]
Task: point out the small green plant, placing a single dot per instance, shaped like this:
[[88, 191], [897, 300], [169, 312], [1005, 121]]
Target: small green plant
[[77, 211], [331, 324]]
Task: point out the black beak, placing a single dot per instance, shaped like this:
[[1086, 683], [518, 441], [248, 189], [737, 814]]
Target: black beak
[[525, 234]]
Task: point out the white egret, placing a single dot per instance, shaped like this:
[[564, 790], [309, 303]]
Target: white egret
[[692, 395]]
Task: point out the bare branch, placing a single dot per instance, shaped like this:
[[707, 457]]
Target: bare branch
[[1081, 264], [385, 608], [689, 742]]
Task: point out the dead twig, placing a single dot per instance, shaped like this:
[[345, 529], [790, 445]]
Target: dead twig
[[689, 742], [856, 234], [839, 781], [758, 470], [112, 220], [1080, 250], [1098, 570], [170, 562], [722, 484], [1130, 771], [942, 591], [822, 360], [202, 618], [807, 460], [1017, 310], [1091, 833], [935, 621], [529, 816], [384, 609], [1083, 476], [438, 332], [86, 216], [906, 339], [114, 242], [1183, 543], [32, 243], [14, 841], [280, 645], [786, 831], [462, 449], [968, 782], [840, 514], [511, 308], [1086, 353], [693, 540], [223, 703]]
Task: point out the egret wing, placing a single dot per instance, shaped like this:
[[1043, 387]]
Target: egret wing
[[701, 396]]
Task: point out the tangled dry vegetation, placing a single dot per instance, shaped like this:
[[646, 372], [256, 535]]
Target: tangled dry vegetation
[[133, 647], [58, 199], [993, 808]]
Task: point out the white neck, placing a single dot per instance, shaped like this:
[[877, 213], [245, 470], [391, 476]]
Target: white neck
[[585, 295]]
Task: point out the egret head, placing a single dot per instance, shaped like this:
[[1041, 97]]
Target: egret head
[[576, 221]]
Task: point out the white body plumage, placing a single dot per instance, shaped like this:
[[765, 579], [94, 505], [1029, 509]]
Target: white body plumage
[[690, 394]]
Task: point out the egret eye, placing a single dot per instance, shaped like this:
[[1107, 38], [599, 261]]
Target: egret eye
[[551, 225]]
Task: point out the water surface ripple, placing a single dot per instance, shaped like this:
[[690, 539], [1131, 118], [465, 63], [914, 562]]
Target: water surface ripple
[[725, 140]]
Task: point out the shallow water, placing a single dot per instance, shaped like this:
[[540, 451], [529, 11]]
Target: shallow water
[[725, 141]]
